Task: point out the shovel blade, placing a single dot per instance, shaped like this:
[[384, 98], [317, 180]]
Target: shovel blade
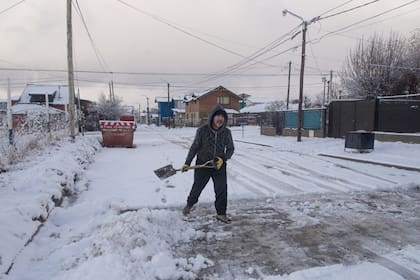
[[165, 172]]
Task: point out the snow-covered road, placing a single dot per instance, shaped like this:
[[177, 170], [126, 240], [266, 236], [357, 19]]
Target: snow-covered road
[[293, 212]]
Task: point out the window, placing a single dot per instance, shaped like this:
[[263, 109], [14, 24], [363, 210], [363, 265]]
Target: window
[[224, 100]]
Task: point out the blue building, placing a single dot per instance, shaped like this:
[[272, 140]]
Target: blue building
[[164, 109]]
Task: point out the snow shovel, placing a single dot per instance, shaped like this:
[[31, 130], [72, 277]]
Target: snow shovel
[[169, 170]]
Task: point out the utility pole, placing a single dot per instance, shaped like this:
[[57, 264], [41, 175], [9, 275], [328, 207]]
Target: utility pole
[[139, 119], [288, 86], [110, 93], [70, 69], [9, 113], [148, 116], [112, 90], [79, 114], [47, 107], [330, 86], [324, 80], [169, 110], [302, 69]]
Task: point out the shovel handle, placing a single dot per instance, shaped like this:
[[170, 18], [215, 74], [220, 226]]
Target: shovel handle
[[204, 165]]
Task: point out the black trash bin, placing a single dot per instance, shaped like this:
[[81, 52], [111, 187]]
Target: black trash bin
[[359, 141]]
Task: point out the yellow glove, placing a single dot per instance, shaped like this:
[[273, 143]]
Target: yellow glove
[[218, 162], [184, 168]]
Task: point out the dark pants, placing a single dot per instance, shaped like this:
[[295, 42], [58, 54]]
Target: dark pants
[[201, 178]]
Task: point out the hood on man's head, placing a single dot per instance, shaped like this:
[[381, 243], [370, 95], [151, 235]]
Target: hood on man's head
[[217, 110]]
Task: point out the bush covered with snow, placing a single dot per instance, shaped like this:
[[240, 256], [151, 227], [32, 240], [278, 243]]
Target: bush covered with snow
[[24, 143], [31, 189]]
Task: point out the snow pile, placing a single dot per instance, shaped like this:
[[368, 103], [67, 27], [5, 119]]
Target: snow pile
[[364, 271], [32, 188], [138, 245]]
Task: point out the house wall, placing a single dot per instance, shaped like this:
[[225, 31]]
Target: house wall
[[197, 111]]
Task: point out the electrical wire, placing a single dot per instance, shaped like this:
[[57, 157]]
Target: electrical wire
[[99, 57], [135, 73], [181, 29], [361, 21], [12, 6], [335, 8], [240, 65], [349, 10]]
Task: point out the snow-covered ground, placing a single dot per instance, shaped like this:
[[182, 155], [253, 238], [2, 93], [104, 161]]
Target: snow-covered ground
[[119, 221]]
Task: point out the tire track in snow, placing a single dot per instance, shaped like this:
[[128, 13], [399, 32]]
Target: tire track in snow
[[317, 177], [322, 159], [282, 185]]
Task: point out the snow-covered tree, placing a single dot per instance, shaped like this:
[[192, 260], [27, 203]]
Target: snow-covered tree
[[110, 109], [374, 67]]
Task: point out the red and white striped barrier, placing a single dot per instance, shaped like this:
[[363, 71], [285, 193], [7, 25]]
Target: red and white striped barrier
[[117, 124]]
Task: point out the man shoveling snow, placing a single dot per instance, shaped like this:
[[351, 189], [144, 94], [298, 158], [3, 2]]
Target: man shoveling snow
[[213, 141]]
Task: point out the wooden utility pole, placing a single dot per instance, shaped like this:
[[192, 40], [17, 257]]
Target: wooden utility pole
[[148, 113], [330, 86], [324, 80], [47, 107], [288, 86], [302, 68], [70, 70], [169, 110], [9, 113]]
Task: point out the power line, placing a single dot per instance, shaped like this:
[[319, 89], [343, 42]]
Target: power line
[[11, 7], [99, 57], [137, 73], [335, 8], [349, 10], [373, 23], [182, 30], [364, 20], [237, 66]]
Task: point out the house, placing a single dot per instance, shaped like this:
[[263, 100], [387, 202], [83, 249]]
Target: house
[[199, 105], [179, 111], [58, 95]]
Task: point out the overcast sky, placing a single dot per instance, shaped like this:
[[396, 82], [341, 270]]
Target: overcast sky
[[186, 37]]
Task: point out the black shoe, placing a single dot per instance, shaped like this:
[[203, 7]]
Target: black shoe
[[223, 218], [186, 210]]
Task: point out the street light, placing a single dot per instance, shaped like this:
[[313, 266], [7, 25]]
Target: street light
[[302, 69]]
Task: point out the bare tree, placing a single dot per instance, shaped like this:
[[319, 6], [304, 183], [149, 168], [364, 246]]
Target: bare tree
[[109, 109], [374, 67], [411, 73], [276, 105]]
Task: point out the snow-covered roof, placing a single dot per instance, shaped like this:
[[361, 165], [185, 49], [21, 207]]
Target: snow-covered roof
[[175, 110], [178, 98], [263, 105], [257, 108], [163, 99], [60, 93], [259, 100], [14, 98], [33, 108], [231, 111], [197, 95]]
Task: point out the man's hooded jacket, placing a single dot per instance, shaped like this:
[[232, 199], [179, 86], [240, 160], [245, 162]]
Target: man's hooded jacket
[[210, 143]]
